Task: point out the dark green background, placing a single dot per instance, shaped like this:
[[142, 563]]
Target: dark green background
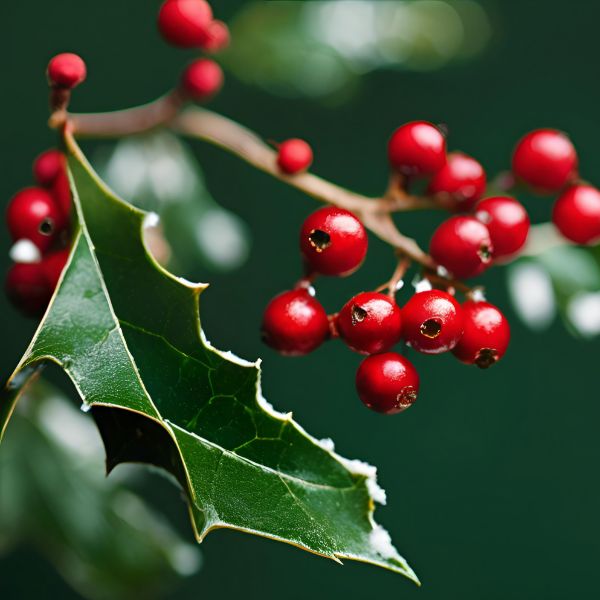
[[492, 478]]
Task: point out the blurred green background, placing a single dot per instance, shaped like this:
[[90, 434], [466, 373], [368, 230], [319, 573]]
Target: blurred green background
[[492, 477]]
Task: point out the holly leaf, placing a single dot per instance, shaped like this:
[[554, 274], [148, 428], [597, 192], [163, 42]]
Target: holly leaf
[[128, 335]]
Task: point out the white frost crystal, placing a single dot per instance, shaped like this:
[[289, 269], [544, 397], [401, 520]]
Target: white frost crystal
[[381, 542], [327, 444], [358, 467]]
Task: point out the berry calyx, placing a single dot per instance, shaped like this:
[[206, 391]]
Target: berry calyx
[[486, 335], [432, 322], [294, 156], [370, 322], [52, 266], [216, 37], [202, 78], [459, 183], [417, 148], [387, 383], [333, 241], [508, 224], [27, 288], [545, 159], [66, 71], [463, 246], [184, 23], [32, 214], [576, 214], [47, 166], [294, 323]]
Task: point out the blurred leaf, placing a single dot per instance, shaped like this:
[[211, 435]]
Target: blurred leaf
[[532, 295], [572, 269], [583, 312], [128, 335], [158, 172], [554, 276], [321, 48], [103, 539]]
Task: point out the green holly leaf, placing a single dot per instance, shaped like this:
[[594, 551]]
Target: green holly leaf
[[128, 335]]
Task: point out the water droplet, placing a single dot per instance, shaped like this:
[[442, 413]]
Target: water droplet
[[478, 294], [422, 285]]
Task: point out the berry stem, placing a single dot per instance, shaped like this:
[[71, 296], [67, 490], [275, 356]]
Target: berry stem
[[399, 272], [59, 103], [398, 199], [503, 182]]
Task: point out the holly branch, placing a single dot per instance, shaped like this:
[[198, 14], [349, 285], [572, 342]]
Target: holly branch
[[209, 126]]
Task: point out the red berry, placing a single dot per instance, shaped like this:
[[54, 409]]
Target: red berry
[[508, 224], [417, 148], [61, 191], [202, 78], [576, 214], [370, 322], [432, 322], [545, 159], [387, 383], [184, 23], [27, 288], [47, 166], [463, 246], [66, 71], [52, 266], [295, 323], [486, 335], [333, 241], [32, 214], [460, 182], [216, 37], [294, 156]]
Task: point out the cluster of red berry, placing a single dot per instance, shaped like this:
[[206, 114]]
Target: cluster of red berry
[[190, 24], [38, 217], [465, 245], [334, 242], [546, 160], [38, 222]]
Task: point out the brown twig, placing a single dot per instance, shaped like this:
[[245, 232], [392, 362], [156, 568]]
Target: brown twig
[[216, 129], [130, 121]]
